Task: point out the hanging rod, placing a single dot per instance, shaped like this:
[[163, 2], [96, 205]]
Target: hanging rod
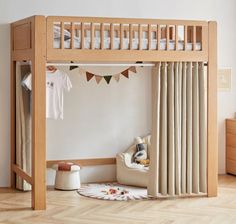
[[102, 65], [106, 65]]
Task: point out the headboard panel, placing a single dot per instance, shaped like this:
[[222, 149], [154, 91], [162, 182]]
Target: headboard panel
[[22, 36]]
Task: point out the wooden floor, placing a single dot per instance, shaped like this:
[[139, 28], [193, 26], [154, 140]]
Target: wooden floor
[[69, 207]]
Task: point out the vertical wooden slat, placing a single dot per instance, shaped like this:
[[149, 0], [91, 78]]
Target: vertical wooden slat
[[92, 36], [194, 38], [185, 37], [140, 36], [176, 38], [158, 37], [102, 36], [130, 36], [212, 131], [82, 35], [204, 38], [38, 113], [62, 35], [112, 35], [167, 37], [72, 35], [149, 36], [50, 35], [121, 36]]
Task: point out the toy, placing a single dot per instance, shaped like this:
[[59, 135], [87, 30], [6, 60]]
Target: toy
[[141, 153], [144, 162], [113, 191]]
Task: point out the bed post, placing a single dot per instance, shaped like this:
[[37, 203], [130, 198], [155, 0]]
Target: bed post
[[39, 114], [212, 132], [13, 114]]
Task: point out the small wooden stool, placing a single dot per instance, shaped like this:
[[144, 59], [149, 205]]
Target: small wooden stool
[[67, 176]]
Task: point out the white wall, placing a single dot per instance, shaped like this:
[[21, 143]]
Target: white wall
[[99, 119]]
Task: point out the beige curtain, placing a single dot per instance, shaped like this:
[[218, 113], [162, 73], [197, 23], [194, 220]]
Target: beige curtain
[[23, 127], [179, 152]]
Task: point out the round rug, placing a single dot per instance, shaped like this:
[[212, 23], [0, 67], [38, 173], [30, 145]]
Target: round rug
[[113, 192]]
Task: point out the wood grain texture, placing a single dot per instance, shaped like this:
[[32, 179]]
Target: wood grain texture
[[22, 36], [16, 169], [69, 207], [13, 111], [86, 55], [231, 146], [212, 129], [231, 126], [126, 20], [38, 114]]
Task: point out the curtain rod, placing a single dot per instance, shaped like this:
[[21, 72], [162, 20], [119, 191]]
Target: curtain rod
[[102, 65]]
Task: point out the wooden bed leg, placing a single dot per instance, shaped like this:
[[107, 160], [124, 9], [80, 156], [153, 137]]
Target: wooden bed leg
[[13, 123], [39, 114], [212, 132], [13, 114]]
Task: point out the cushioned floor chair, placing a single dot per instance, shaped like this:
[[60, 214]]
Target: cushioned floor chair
[[130, 173]]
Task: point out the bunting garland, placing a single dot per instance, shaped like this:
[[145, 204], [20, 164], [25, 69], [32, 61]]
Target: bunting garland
[[133, 69], [98, 78], [125, 73], [89, 75], [117, 77], [72, 67], [107, 78]]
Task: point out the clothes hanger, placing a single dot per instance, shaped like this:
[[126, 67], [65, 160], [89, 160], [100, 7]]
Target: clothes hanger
[[51, 68]]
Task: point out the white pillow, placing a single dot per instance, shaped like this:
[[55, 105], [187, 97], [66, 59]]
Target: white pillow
[[57, 33]]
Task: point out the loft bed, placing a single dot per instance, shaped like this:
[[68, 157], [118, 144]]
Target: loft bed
[[60, 39]]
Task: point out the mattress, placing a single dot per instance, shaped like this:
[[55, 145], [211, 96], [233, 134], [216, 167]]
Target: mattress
[[116, 44]]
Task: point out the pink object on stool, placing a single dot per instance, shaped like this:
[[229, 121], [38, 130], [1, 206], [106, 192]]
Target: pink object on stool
[[67, 176]]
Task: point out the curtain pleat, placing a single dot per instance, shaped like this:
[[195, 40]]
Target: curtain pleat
[[153, 186], [202, 129], [23, 127], [183, 130], [177, 131], [195, 159], [189, 126], [170, 129], [163, 131], [180, 128]]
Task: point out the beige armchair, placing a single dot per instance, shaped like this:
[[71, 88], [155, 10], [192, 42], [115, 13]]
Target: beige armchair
[[130, 173]]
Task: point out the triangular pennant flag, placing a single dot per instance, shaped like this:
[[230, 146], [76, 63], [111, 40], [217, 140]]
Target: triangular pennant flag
[[125, 73], [133, 69], [98, 78], [117, 77], [107, 78], [82, 71], [72, 67], [89, 76]]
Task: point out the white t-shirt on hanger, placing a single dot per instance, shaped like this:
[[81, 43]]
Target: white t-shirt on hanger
[[56, 83]]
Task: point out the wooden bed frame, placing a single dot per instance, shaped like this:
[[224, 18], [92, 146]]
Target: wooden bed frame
[[32, 40]]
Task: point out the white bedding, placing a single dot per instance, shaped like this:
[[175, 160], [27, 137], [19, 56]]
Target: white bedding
[[135, 44]]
